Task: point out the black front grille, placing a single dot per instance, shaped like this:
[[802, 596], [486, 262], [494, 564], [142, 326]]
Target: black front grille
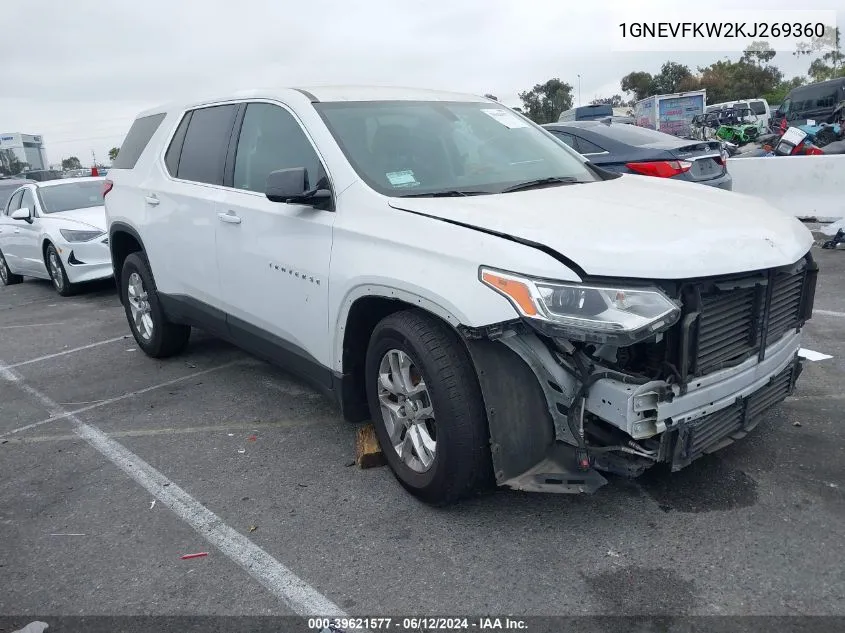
[[713, 431], [736, 318]]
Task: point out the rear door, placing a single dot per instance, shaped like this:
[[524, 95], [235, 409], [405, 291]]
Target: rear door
[[8, 227], [183, 206], [273, 258]]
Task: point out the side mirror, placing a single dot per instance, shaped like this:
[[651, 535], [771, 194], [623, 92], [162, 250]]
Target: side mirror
[[291, 186], [24, 213]]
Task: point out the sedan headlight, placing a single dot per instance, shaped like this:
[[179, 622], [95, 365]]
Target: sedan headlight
[[80, 236], [612, 314]]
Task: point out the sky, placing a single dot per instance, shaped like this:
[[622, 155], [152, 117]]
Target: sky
[[80, 71]]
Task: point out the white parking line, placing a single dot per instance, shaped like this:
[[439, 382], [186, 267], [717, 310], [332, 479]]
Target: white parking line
[[61, 413], [832, 313], [67, 351], [10, 327], [275, 577]]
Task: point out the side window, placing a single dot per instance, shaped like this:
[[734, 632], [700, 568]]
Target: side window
[[271, 139], [585, 147], [758, 107], [206, 142], [566, 138], [28, 201], [171, 158], [15, 202], [136, 140]]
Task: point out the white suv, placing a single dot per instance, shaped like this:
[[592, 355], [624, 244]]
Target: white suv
[[503, 310]]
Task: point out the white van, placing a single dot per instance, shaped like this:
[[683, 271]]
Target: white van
[[446, 268], [761, 113]]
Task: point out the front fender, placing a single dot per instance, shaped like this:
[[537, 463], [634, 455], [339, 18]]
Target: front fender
[[415, 296]]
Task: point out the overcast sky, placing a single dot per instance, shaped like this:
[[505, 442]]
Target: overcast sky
[[78, 72]]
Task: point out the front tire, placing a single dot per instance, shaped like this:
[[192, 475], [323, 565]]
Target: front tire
[[427, 408], [155, 335], [57, 272], [7, 277]]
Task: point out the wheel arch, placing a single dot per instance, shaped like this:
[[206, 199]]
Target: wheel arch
[[123, 240], [360, 313]]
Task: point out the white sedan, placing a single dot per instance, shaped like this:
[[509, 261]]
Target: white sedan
[[55, 230]]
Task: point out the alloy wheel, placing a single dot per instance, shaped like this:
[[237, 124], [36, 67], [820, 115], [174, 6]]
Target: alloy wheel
[[55, 270], [407, 410], [139, 306], [4, 274]]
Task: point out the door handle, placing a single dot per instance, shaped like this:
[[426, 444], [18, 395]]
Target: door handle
[[152, 201], [229, 217]]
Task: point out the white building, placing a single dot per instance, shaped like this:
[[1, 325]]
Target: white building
[[25, 148]]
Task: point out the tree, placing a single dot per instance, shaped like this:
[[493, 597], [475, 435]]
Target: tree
[[779, 92], [671, 78], [640, 83], [830, 64], [544, 102], [10, 164], [71, 163], [113, 153], [758, 53], [725, 80], [616, 101], [489, 96]]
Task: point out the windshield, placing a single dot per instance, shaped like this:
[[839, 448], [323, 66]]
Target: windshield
[[425, 147], [73, 195], [6, 192]]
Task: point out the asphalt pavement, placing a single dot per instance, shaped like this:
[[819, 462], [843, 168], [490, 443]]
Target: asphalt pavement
[[113, 466]]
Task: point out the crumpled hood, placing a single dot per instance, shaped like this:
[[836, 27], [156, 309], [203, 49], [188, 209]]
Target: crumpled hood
[[636, 226], [94, 217]]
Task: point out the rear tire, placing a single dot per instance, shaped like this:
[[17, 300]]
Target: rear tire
[[155, 335], [7, 277], [433, 360], [57, 272]]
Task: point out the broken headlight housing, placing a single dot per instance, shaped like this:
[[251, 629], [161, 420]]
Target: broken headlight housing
[[613, 314]]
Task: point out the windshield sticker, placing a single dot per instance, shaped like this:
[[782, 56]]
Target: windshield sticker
[[402, 178], [506, 118]]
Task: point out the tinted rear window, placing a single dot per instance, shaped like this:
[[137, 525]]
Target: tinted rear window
[[171, 158], [632, 134], [206, 142], [758, 107], [73, 195], [136, 140]]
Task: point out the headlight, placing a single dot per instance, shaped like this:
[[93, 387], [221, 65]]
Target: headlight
[[80, 236], [615, 315]]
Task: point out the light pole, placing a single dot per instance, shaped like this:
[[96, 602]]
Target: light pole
[[579, 90]]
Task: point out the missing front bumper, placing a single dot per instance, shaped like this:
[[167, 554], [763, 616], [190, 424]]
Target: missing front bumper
[[691, 440], [528, 395]]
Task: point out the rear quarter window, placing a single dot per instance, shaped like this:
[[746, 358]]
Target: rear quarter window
[[136, 141], [758, 107], [206, 141]]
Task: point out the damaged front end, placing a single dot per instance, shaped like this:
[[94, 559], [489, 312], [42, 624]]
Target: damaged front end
[[670, 371]]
